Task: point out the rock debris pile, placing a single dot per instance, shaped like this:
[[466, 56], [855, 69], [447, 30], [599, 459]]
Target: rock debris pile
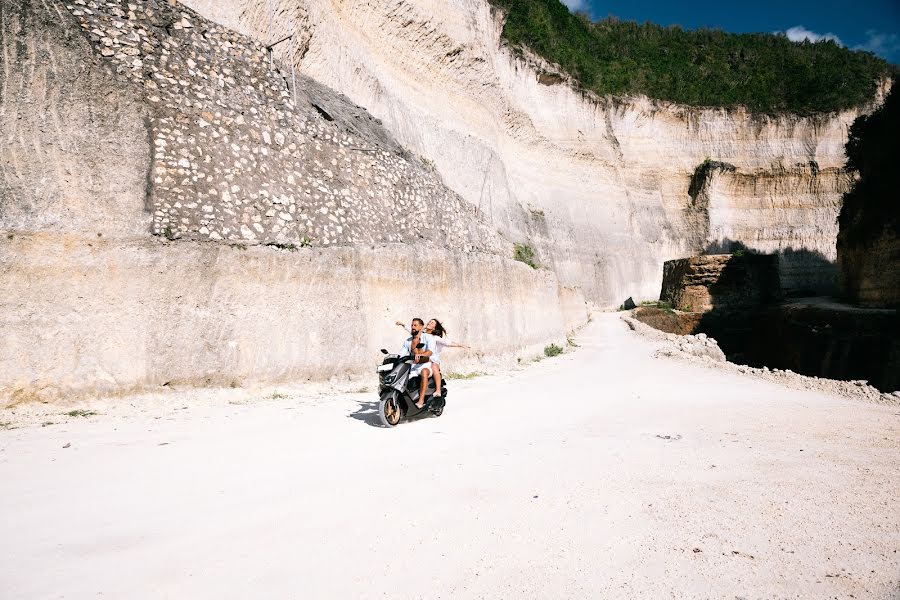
[[240, 156], [706, 349]]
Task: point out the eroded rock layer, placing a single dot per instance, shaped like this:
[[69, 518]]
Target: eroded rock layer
[[600, 186], [723, 283], [88, 316], [175, 209]]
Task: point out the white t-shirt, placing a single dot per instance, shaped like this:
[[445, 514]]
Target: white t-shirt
[[424, 338], [437, 346]]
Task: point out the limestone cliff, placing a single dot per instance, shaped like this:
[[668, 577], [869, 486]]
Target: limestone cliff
[[175, 208], [599, 185]]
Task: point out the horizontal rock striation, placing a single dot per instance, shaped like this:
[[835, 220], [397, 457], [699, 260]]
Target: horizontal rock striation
[[721, 282], [84, 316], [599, 186]]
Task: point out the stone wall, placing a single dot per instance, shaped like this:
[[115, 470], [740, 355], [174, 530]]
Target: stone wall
[[99, 316], [239, 154]]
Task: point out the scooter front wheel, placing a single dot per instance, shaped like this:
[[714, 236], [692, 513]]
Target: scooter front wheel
[[389, 408]]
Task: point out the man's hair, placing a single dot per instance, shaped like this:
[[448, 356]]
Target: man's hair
[[419, 321]]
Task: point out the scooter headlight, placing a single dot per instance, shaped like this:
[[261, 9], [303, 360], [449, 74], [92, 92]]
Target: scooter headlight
[[389, 379]]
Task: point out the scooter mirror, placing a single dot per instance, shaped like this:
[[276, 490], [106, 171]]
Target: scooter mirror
[[383, 351]]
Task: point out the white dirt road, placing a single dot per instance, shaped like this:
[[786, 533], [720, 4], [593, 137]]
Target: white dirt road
[[602, 473]]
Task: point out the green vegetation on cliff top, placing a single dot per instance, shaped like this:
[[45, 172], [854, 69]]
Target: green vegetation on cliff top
[[766, 73]]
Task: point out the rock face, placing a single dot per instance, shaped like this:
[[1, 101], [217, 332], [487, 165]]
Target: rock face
[[74, 144], [172, 209], [176, 204], [826, 339], [721, 295], [721, 282], [870, 272], [868, 245], [89, 316], [600, 187]]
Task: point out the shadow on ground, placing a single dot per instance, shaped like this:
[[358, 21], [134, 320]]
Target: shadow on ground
[[367, 412]]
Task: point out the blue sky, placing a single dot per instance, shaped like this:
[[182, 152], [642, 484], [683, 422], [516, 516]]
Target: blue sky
[[872, 25]]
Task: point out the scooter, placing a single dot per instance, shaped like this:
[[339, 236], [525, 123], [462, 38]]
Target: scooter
[[398, 392]]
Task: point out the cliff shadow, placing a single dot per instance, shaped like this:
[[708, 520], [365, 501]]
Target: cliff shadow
[[747, 284], [801, 272], [760, 322]]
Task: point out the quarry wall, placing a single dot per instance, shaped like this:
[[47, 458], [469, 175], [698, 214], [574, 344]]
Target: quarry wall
[[174, 210], [600, 186], [870, 272], [88, 316], [75, 149]]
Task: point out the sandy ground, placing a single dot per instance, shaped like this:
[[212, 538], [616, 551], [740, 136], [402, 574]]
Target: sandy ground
[[601, 473]]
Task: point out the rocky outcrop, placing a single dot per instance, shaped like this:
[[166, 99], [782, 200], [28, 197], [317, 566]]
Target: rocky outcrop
[[722, 282], [719, 295], [868, 245], [599, 186], [827, 339], [732, 299], [870, 271]]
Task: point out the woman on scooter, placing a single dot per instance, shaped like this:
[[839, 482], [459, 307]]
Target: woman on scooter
[[437, 332]]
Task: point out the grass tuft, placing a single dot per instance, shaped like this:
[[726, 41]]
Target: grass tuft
[[78, 412], [525, 254], [552, 350], [471, 375]]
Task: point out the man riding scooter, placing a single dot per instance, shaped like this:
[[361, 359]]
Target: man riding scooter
[[422, 366]]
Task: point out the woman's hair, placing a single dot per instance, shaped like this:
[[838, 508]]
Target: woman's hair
[[438, 329]]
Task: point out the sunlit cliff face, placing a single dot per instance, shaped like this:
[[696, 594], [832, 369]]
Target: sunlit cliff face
[[598, 186]]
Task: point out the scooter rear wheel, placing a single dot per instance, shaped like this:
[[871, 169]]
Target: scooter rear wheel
[[389, 409]]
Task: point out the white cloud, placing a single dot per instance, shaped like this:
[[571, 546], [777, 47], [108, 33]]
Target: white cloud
[[798, 33], [575, 4], [882, 44]]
